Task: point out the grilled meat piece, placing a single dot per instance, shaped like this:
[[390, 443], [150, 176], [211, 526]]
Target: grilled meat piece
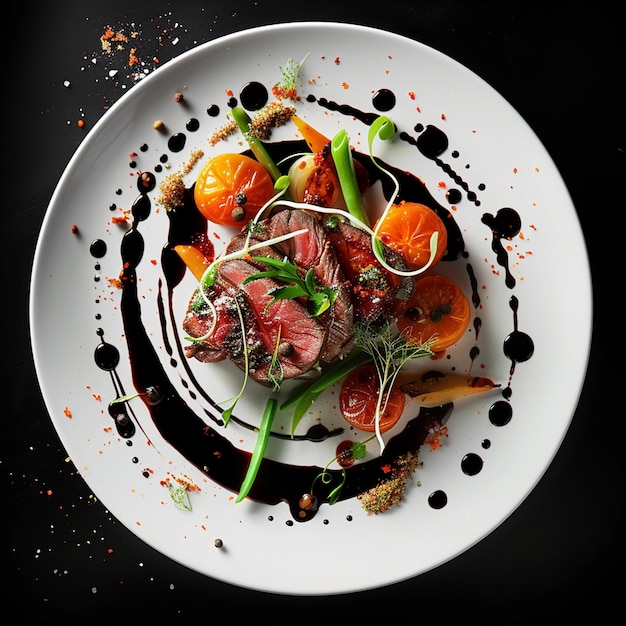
[[283, 340], [284, 327]]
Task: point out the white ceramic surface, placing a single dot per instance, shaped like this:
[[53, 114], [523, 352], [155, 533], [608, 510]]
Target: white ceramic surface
[[490, 146]]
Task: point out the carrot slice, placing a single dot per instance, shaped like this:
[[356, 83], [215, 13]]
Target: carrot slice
[[193, 258], [313, 137]]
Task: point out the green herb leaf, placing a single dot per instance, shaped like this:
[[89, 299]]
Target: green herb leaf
[[320, 298], [359, 450], [179, 495]]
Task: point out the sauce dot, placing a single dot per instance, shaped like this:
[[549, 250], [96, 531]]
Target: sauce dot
[[438, 499]]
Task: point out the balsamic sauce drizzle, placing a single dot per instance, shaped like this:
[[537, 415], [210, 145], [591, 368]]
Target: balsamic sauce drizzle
[[202, 443]]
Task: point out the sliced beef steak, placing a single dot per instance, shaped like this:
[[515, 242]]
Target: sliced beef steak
[[284, 328], [377, 293]]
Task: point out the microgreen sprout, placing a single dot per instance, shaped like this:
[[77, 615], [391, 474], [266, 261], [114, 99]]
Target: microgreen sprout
[[356, 451], [389, 352], [286, 88], [226, 413]]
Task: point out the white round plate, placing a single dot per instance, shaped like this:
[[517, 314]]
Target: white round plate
[[492, 160]]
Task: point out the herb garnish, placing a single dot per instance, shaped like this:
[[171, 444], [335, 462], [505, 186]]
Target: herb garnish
[[286, 88], [389, 352], [319, 299]]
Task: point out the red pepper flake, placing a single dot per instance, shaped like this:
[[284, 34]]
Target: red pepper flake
[[132, 57], [433, 439], [345, 85], [110, 550], [412, 95], [336, 61], [80, 123], [153, 261], [441, 184], [514, 170], [74, 229], [443, 116], [229, 92], [386, 468], [119, 219], [67, 413]]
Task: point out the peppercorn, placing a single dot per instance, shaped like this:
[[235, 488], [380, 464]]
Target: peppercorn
[[238, 213]]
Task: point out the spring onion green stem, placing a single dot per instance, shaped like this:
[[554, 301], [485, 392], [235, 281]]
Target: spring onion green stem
[[259, 448], [344, 164]]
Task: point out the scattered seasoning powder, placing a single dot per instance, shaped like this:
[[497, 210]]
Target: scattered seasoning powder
[[270, 116], [389, 492], [172, 187], [223, 132]]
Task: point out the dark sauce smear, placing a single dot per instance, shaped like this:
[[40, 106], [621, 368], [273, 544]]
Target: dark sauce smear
[[202, 444]]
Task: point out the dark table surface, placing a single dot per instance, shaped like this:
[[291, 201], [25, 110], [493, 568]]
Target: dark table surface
[[562, 68]]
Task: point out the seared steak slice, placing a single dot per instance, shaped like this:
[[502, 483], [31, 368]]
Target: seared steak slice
[[309, 250], [377, 293], [313, 250], [285, 326]]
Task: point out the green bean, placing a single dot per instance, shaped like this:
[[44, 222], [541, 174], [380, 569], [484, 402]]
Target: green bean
[[259, 448], [255, 144], [344, 164]]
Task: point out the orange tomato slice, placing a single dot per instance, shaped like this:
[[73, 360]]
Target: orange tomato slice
[[231, 188], [407, 228], [437, 308], [358, 398]]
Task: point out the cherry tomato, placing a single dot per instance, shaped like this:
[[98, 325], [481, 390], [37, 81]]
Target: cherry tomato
[[359, 396]]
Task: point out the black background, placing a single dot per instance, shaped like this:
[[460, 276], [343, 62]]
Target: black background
[[562, 67]]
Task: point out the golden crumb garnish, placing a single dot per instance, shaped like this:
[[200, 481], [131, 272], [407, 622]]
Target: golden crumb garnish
[[172, 187], [223, 132], [270, 116], [390, 491]]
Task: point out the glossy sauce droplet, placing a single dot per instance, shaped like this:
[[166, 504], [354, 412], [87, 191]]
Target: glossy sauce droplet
[[106, 356], [438, 499], [253, 96], [471, 464], [98, 248], [384, 100], [500, 413], [177, 142]]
